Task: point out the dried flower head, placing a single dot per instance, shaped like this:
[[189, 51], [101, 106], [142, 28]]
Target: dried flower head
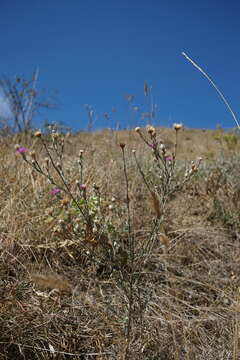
[[177, 126], [38, 134], [55, 135], [193, 167], [122, 145], [65, 202], [138, 129], [151, 130]]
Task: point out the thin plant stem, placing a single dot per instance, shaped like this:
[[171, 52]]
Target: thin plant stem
[[215, 87], [131, 246], [127, 198], [63, 180]]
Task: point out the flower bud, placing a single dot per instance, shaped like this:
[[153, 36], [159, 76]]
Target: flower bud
[[33, 155], [38, 134]]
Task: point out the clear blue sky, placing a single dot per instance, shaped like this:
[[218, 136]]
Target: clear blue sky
[[96, 52]]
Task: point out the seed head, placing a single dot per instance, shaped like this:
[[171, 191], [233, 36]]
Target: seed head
[[65, 202], [151, 130], [38, 134], [55, 135], [138, 129], [177, 126]]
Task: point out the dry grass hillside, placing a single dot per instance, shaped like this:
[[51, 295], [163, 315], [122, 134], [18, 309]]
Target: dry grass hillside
[[115, 245]]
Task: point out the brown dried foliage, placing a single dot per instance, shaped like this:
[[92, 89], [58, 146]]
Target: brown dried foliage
[[55, 302]]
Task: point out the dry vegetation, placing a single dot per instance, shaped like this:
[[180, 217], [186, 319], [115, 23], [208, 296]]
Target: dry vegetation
[[115, 274]]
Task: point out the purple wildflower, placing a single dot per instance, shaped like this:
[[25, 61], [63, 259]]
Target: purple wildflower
[[21, 150], [55, 191], [82, 187], [153, 146], [168, 158]]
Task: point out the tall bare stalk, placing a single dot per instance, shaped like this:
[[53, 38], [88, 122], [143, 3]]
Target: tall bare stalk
[[215, 87]]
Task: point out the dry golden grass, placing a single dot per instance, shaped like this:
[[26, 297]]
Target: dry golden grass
[[56, 302]]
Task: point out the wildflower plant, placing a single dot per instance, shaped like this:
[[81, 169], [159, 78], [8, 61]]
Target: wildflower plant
[[86, 218], [80, 212], [165, 181]]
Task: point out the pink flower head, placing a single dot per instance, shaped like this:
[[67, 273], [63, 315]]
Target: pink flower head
[[21, 150], [55, 191], [153, 146], [82, 187], [169, 158]]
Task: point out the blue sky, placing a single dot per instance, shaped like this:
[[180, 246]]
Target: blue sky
[[97, 52]]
